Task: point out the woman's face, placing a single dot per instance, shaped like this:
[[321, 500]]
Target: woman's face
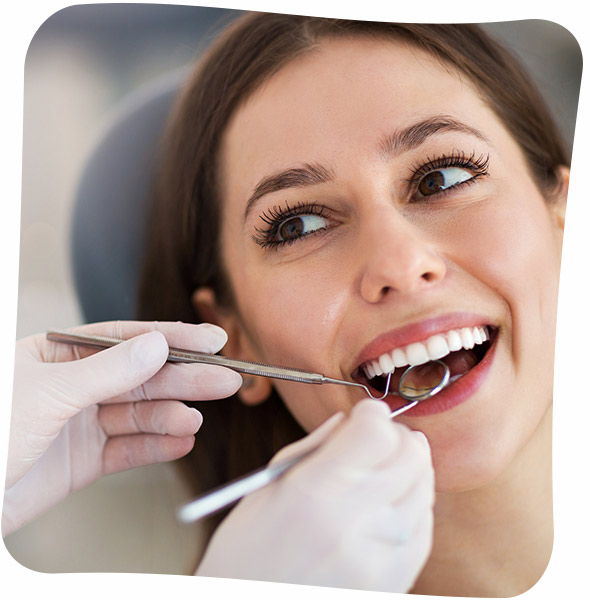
[[371, 201]]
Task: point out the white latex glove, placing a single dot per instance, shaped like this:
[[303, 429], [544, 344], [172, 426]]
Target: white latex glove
[[356, 514], [78, 414]]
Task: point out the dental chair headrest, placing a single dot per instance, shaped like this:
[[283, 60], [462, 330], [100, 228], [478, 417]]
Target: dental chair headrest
[[110, 207]]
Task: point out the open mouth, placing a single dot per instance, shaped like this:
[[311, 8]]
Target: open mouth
[[460, 349]]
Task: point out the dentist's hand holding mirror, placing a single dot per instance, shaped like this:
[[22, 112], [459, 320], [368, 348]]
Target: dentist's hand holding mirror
[[357, 513]]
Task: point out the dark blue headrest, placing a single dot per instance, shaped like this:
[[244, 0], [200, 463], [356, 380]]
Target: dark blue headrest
[[110, 211]]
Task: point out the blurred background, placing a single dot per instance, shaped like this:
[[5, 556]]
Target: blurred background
[[82, 63]]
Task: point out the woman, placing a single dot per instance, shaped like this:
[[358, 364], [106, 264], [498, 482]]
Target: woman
[[351, 197]]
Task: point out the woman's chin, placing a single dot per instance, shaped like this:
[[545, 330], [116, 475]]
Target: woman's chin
[[467, 469]]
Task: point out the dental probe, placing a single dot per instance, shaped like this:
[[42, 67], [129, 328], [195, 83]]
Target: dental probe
[[241, 366], [229, 493]]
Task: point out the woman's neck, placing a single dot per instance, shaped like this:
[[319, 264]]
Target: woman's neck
[[495, 541]]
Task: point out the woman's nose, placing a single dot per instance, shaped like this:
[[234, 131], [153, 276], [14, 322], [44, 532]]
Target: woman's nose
[[397, 257]]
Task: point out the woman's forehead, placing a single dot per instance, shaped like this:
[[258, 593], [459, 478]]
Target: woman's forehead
[[347, 94], [349, 65]]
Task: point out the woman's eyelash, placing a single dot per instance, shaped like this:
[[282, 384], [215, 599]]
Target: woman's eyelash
[[478, 165], [274, 217]]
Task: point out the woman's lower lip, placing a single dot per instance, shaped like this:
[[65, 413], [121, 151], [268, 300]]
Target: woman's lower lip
[[455, 394]]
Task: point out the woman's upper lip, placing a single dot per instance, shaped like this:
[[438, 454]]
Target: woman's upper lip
[[416, 332]]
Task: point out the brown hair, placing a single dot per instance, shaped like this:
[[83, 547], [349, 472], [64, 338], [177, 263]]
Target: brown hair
[[183, 249]]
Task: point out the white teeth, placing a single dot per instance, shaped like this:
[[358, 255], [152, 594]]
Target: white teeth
[[386, 363], [454, 340], [399, 358], [433, 348], [417, 354], [437, 347], [467, 338], [378, 370], [477, 335]]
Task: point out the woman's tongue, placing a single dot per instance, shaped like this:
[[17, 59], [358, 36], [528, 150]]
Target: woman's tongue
[[461, 361]]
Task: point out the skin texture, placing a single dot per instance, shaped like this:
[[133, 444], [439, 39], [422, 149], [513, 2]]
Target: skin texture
[[388, 258]]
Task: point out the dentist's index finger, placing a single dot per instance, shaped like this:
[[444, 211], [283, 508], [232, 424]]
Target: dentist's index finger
[[190, 382], [136, 370], [203, 337]]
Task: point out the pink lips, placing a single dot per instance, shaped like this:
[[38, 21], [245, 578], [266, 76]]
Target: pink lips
[[460, 390]]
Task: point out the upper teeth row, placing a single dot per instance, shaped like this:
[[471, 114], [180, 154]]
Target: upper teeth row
[[433, 348]]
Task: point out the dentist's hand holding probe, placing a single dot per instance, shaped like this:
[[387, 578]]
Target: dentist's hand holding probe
[[357, 513], [78, 414]]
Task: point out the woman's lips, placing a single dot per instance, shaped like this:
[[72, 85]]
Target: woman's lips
[[446, 338], [456, 393], [434, 348], [418, 333]]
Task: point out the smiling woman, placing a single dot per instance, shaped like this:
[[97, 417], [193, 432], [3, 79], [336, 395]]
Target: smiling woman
[[353, 198]]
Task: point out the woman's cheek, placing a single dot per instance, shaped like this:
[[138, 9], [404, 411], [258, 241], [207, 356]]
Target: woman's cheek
[[509, 245], [515, 254], [289, 309]]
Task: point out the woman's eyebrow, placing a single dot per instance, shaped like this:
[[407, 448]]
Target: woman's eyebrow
[[391, 145], [306, 175], [416, 134]]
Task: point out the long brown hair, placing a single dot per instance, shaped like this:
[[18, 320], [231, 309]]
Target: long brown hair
[[182, 251]]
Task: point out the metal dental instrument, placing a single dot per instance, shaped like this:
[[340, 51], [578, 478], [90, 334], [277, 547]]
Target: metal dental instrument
[[409, 392], [227, 494], [241, 366]]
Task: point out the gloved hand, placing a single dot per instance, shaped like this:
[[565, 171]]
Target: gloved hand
[[357, 513], [78, 414]]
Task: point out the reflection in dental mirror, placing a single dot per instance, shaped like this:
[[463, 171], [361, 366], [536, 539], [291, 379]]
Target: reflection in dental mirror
[[421, 382]]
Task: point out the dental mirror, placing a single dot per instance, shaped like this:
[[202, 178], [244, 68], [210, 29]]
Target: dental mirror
[[421, 382]]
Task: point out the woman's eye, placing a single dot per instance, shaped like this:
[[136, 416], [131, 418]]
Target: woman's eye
[[286, 224], [442, 179], [296, 227]]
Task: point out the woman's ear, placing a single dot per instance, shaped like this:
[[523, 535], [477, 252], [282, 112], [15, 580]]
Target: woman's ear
[[254, 390], [560, 202]]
